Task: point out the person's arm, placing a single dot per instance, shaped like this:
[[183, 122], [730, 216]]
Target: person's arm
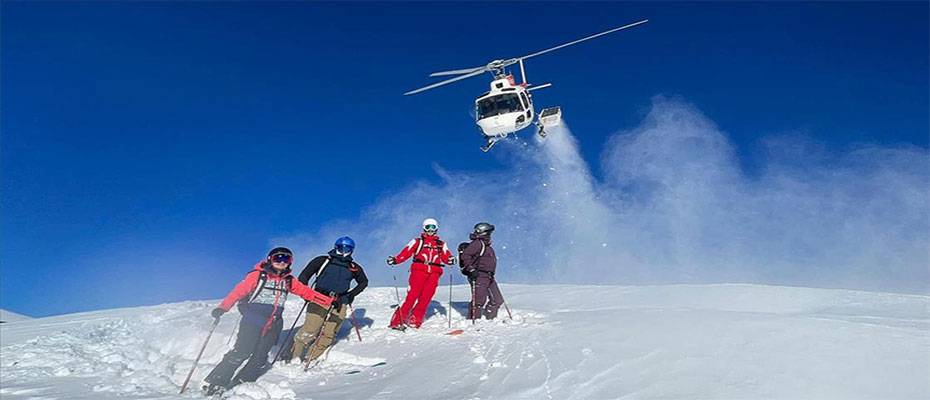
[[241, 290], [407, 251], [446, 257], [308, 294], [311, 269], [361, 282], [470, 255]]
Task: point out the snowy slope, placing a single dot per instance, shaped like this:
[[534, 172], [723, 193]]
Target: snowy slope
[[9, 316], [565, 342]]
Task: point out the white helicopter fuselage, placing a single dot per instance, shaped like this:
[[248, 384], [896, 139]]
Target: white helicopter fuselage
[[506, 108]]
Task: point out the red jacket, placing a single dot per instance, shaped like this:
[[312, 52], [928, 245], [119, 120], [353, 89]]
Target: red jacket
[[263, 305], [432, 255]]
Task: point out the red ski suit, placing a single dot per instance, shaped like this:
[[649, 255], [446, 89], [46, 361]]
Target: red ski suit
[[424, 277]]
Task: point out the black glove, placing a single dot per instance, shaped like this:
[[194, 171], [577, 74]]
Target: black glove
[[217, 313], [391, 260], [451, 260]]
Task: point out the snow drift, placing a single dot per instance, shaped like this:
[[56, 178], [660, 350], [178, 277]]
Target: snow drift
[[9, 316], [565, 342]]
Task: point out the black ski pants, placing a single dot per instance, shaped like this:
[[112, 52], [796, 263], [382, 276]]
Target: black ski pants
[[487, 296], [251, 345]]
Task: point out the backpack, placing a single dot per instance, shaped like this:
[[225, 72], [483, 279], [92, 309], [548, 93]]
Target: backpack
[[260, 287], [462, 247], [420, 245]]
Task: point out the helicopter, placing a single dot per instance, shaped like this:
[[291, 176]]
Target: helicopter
[[508, 106]]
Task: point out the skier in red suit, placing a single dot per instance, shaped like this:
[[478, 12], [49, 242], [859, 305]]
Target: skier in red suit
[[429, 254]]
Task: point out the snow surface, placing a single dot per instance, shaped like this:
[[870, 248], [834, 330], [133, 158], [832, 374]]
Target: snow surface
[[9, 316], [565, 342]]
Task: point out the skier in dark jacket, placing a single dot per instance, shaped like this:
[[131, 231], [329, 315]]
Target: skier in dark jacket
[[479, 263], [334, 272], [261, 297]]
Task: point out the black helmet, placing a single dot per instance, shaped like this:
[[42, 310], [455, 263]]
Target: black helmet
[[483, 228], [280, 250]]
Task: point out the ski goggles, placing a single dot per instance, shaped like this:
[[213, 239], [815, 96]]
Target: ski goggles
[[344, 249], [282, 258], [430, 228]]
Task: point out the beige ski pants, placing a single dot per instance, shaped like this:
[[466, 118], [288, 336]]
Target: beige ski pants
[[304, 346]]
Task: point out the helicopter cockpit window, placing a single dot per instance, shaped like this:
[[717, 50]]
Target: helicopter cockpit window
[[500, 104]]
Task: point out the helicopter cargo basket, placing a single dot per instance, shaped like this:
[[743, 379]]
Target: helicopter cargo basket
[[551, 117]]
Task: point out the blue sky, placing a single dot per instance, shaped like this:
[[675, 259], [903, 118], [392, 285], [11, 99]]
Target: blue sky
[[152, 151]]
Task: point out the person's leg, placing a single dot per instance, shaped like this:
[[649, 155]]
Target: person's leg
[[259, 359], [328, 336], [312, 322], [481, 294], [495, 300], [426, 296], [402, 314], [248, 336]]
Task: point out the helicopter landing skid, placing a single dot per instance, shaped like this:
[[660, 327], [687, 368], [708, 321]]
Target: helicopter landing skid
[[487, 147]]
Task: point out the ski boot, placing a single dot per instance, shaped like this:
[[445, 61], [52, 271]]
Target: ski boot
[[211, 390]]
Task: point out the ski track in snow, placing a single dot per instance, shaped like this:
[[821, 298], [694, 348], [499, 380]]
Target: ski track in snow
[[675, 341]]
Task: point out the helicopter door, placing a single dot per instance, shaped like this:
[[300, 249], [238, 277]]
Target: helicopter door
[[526, 105]]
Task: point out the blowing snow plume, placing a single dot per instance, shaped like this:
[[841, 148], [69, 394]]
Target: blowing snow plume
[[675, 206]]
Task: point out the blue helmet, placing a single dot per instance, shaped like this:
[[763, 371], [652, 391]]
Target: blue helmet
[[344, 246]]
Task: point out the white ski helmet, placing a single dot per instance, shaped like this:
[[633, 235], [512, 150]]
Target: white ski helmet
[[430, 226]]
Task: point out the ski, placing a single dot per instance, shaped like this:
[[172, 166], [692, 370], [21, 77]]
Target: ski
[[455, 332]]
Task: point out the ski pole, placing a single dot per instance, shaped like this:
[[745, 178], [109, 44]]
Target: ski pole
[[319, 333], [289, 333], [352, 320], [504, 302], [450, 300], [396, 292], [197, 360], [471, 310]]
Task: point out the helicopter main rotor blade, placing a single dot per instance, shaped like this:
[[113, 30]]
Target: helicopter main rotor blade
[[583, 39], [456, 71], [447, 81]]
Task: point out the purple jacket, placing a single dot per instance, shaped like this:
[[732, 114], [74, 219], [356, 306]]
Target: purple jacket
[[471, 256]]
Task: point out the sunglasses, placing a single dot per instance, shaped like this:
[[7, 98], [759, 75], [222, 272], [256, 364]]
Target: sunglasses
[[431, 228], [282, 258]]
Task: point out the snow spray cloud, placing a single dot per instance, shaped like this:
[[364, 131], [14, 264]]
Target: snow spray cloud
[[674, 206]]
